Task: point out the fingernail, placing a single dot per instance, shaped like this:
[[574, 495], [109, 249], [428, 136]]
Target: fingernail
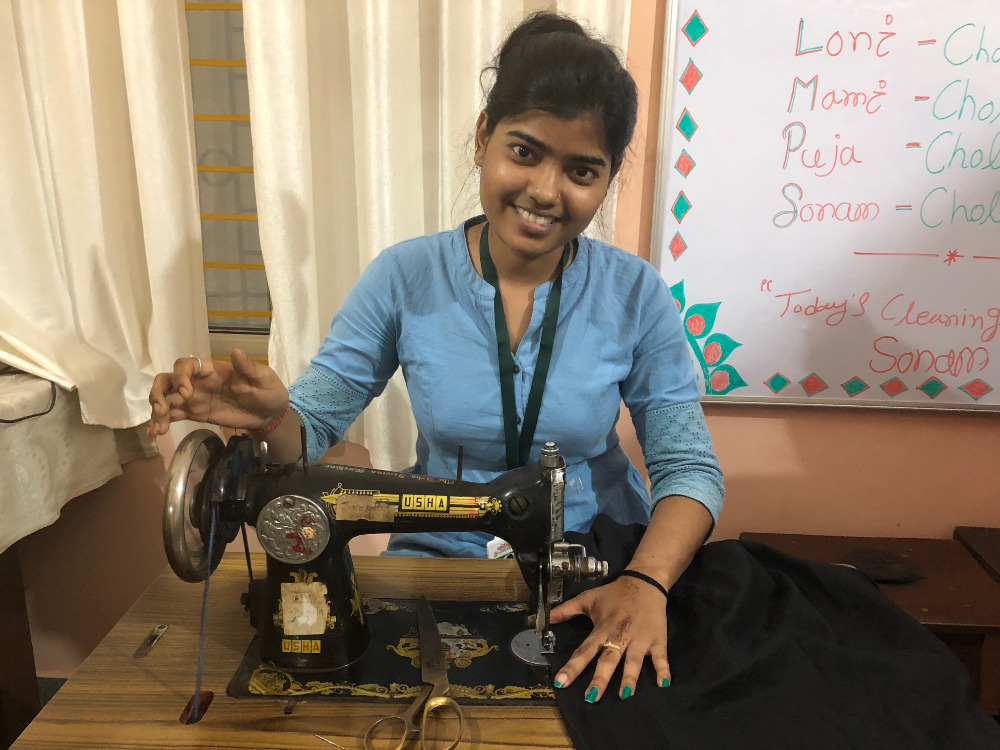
[[560, 680], [591, 694], [626, 692], [665, 682]]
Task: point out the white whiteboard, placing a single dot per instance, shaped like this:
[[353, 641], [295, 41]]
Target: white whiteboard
[[828, 199]]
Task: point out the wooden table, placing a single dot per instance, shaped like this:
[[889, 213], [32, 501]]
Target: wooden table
[[984, 544], [116, 701], [956, 599]]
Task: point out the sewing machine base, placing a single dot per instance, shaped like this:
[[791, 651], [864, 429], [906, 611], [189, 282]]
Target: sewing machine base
[[477, 635]]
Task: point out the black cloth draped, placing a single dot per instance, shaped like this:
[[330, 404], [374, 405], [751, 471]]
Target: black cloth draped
[[768, 651]]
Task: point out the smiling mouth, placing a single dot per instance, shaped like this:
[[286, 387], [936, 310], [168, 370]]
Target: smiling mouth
[[542, 221]]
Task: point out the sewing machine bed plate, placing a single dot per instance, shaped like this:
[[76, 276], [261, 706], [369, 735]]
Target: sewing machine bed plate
[[476, 638]]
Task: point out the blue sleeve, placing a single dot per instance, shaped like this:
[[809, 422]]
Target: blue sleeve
[[679, 456], [354, 362], [327, 407], [662, 396]]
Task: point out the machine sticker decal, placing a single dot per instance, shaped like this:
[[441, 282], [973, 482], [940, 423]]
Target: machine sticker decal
[[436, 506], [460, 645], [433, 504], [381, 472], [304, 609], [360, 505], [301, 645], [373, 505], [270, 681]]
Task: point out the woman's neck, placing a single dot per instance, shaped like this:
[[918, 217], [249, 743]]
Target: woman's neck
[[512, 268]]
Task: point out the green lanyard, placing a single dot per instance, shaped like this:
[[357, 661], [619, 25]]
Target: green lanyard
[[518, 448]]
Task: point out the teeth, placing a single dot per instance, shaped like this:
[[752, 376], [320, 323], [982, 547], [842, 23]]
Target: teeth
[[535, 218]]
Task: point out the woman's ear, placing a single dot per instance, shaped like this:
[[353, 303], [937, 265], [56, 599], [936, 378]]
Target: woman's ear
[[481, 139]]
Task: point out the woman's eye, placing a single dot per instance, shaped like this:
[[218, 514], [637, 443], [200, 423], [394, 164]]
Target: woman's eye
[[584, 173], [522, 152]]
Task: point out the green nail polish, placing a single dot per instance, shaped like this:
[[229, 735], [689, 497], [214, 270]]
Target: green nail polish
[[591, 694], [557, 684], [665, 682], [626, 692]]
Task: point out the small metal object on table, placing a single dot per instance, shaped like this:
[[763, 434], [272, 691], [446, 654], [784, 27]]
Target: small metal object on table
[[955, 597]]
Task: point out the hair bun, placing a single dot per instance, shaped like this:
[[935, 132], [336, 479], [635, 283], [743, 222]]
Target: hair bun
[[539, 24]]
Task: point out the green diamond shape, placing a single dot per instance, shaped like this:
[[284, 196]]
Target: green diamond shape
[[777, 382], [932, 387], [686, 125], [681, 206], [694, 29], [854, 386]]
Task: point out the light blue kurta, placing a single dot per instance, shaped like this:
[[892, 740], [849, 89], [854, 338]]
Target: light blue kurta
[[420, 305]]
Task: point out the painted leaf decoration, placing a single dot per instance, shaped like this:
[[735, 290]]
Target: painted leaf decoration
[[677, 290], [723, 379], [707, 313], [725, 344]]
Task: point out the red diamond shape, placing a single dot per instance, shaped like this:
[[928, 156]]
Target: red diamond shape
[[677, 246], [684, 163], [893, 387], [977, 388], [689, 79], [813, 385]]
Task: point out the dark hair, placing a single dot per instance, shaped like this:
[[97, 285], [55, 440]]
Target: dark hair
[[550, 63]]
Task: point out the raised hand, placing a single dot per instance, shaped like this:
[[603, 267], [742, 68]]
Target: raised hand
[[240, 394]]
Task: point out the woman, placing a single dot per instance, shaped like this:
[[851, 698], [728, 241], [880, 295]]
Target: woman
[[514, 329]]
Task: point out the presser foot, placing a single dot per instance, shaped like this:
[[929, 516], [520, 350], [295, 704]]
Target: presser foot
[[534, 648]]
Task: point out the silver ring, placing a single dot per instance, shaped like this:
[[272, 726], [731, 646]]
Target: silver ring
[[199, 363]]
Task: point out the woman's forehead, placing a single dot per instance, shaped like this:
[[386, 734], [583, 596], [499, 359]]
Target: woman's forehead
[[582, 134]]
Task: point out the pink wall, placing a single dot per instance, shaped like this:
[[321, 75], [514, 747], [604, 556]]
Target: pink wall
[[82, 573]]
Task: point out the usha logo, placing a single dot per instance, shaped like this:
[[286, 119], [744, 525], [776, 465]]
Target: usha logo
[[424, 503], [711, 350]]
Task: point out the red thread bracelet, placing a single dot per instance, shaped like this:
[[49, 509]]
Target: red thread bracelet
[[274, 425]]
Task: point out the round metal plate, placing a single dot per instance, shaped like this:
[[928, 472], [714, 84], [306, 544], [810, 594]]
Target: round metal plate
[[293, 529], [527, 646], [182, 540]]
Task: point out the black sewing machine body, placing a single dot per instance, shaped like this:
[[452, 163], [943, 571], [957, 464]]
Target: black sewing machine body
[[308, 609]]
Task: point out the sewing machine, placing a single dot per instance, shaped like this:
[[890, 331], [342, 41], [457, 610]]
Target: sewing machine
[[307, 609]]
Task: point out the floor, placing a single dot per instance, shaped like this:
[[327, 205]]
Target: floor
[[47, 687]]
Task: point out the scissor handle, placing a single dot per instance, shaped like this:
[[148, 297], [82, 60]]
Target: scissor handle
[[438, 704], [395, 720]]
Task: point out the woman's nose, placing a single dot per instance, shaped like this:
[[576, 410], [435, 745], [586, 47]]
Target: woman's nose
[[543, 188]]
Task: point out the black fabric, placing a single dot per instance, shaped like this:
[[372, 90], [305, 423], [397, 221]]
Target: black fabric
[[770, 651]]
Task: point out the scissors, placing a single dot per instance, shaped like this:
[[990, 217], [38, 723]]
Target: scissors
[[434, 693]]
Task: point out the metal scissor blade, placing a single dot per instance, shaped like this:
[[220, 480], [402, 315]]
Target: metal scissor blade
[[433, 667]]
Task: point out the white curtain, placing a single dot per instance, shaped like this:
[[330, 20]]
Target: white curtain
[[100, 254], [362, 114]]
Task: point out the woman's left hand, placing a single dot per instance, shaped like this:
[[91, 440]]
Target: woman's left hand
[[631, 615]]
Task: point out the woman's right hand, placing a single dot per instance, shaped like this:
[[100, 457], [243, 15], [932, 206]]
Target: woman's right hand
[[243, 395]]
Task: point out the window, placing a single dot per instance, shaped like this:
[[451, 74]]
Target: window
[[239, 307]]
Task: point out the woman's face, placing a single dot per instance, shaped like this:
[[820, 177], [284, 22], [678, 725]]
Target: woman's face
[[543, 179]]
